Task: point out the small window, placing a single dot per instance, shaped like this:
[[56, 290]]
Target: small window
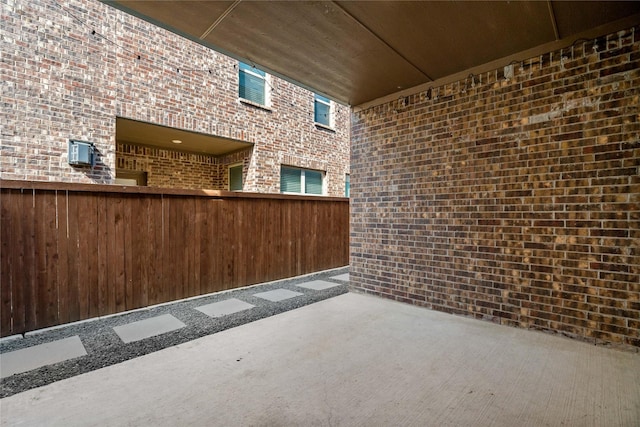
[[347, 185], [235, 178], [252, 84], [126, 177], [301, 181], [322, 110]]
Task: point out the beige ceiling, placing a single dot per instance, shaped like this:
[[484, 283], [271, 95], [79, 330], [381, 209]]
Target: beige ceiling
[[141, 133], [358, 51]]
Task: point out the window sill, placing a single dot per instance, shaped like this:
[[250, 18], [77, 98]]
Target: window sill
[[255, 104], [287, 193], [324, 127]]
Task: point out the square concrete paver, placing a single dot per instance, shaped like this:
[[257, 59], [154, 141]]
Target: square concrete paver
[[277, 295], [344, 277], [318, 285], [147, 328], [223, 308], [26, 359]]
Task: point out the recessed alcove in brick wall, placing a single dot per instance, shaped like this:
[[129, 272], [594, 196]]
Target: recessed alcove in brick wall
[[515, 200], [177, 169]]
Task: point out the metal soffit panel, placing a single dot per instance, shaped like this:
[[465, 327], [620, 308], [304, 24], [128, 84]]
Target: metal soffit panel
[[356, 52]]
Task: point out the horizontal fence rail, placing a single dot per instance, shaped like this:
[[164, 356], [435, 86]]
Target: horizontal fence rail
[[72, 251]]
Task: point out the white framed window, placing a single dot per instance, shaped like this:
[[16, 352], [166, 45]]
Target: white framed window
[[322, 112], [301, 181], [347, 185], [253, 85], [235, 177]]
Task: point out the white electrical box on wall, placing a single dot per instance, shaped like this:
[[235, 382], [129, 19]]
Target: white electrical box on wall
[[80, 153]]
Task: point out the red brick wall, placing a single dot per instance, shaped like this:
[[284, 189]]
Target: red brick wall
[[516, 201], [62, 81]]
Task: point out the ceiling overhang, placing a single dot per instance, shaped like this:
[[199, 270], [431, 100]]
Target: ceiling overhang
[[358, 51], [151, 135]]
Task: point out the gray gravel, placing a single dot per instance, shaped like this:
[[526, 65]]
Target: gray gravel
[[104, 347]]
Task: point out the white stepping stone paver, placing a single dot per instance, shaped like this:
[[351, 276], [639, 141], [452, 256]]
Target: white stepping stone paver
[[277, 295], [26, 359], [224, 308], [344, 277], [147, 328], [318, 285]]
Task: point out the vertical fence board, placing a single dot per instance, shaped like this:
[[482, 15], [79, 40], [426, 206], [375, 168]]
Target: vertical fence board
[[188, 239], [194, 282], [139, 255], [8, 292], [127, 251], [110, 236], [62, 256], [216, 258], [29, 244], [102, 254], [118, 260], [85, 210], [90, 237], [206, 261], [156, 256], [173, 263], [47, 286], [227, 248], [240, 240], [165, 279], [71, 254], [71, 224]]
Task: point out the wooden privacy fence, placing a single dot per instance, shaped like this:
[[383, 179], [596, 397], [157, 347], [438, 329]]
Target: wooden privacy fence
[[73, 251]]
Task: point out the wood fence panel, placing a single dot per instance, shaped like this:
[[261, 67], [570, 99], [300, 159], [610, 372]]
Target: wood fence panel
[[71, 251]]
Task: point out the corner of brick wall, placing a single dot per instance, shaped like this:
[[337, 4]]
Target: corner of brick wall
[[513, 200]]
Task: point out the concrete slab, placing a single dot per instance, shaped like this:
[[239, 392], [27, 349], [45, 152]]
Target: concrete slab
[[224, 308], [318, 285], [344, 277], [352, 360], [24, 360], [277, 295], [147, 328]]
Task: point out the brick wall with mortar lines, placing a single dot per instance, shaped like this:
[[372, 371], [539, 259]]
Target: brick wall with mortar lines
[[61, 81], [516, 201], [169, 168]]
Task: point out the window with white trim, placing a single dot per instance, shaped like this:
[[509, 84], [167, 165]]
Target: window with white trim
[[235, 177], [301, 181], [322, 111], [253, 85], [347, 185]]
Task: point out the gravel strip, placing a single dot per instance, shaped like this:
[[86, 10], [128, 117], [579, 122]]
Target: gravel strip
[[104, 347]]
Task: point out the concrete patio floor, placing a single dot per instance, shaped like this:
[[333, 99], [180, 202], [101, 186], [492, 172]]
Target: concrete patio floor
[[351, 360]]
